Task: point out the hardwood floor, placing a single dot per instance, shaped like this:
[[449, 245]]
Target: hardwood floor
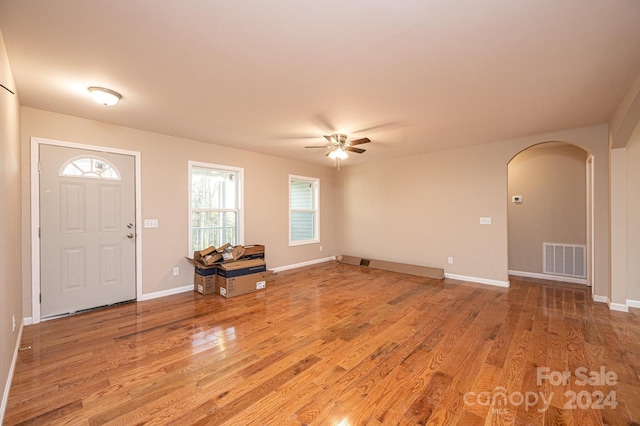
[[336, 344]]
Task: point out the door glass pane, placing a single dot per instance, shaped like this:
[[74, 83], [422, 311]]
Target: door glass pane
[[90, 167]]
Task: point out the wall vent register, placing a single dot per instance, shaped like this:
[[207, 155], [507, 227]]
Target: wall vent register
[[565, 259]]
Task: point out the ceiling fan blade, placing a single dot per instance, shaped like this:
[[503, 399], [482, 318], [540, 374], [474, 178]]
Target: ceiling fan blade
[[356, 150], [359, 141], [331, 139], [317, 146]]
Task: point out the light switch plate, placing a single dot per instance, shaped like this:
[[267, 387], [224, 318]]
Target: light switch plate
[[151, 223], [485, 221]]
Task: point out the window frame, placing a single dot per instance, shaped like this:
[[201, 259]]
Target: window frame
[[240, 198], [315, 182]]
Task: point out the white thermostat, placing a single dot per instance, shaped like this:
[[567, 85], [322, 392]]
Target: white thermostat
[[517, 199]]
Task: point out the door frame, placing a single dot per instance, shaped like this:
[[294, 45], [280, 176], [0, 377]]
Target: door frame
[[589, 281], [35, 214], [591, 224]]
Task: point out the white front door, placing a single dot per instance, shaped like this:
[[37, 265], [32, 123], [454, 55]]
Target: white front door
[[87, 229]]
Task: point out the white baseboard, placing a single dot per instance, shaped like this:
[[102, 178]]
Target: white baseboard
[[28, 321], [621, 307], [300, 265], [549, 277], [497, 283], [617, 306], [633, 303], [164, 293], [600, 299], [7, 386]]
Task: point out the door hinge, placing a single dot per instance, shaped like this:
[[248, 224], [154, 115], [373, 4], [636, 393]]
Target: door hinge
[[39, 167], [39, 232], [40, 297]]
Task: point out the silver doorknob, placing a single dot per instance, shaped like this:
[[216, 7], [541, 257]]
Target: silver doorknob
[[130, 236]]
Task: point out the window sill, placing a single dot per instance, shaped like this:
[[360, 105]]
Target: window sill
[[303, 243]]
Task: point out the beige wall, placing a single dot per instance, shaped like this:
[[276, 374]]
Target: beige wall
[[551, 178], [626, 117], [424, 208], [418, 209], [164, 174], [618, 230], [10, 219], [633, 217]]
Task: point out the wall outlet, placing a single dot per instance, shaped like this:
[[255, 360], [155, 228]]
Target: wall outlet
[[320, 248], [450, 260], [176, 271], [485, 221], [13, 323]]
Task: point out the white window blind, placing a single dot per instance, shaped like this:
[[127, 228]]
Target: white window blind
[[303, 210]]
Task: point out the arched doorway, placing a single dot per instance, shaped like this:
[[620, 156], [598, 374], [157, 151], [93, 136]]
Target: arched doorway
[[549, 213]]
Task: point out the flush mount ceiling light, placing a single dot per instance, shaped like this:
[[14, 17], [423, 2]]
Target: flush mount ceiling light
[[104, 96]]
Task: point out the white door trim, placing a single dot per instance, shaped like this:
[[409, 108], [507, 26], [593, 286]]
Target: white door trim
[[591, 270], [35, 215]]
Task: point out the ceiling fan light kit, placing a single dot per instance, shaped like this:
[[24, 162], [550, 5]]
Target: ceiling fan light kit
[[340, 146], [338, 153]]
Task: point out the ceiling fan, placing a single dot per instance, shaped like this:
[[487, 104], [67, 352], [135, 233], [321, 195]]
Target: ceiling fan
[[339, 146]]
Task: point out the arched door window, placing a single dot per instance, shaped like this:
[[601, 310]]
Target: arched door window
[[89, 167]]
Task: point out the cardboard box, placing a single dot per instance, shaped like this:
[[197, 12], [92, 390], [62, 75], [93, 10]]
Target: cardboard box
[[243, 284], [215, 256], [212, 258], [204, 284], [422, 271], [204, 277], [241, 267], [223, 247], [208, 256], [202, 269], [232, 254], [199, 254], [253, 251], [205, 281]]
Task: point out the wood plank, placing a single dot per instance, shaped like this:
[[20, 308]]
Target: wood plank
[[326, 344]]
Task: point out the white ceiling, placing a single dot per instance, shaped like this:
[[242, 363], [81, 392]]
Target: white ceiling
[[274, 76]]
